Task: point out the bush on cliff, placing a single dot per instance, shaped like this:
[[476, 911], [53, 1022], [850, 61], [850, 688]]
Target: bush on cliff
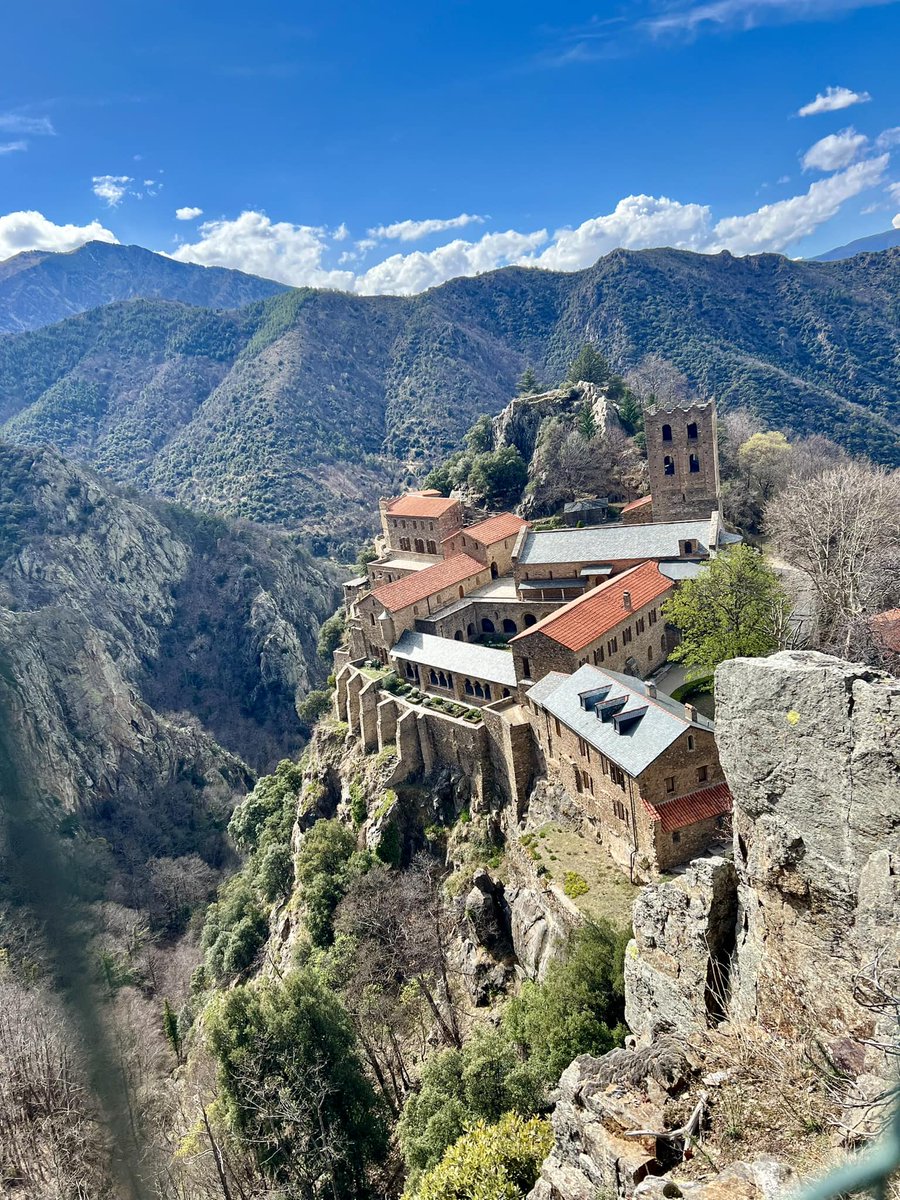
[[491, 1162]]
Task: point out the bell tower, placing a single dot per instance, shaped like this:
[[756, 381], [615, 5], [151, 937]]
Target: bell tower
[[683, 458]]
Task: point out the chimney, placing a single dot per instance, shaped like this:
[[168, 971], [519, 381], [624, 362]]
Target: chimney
[[690, 712], [650, 689], [626, 601]]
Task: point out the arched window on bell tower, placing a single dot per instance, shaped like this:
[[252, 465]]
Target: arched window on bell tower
[[667, 433], [692, 431], [669, 465], [694, 463]]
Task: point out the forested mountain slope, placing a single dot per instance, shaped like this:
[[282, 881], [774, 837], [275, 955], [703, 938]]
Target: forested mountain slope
[[304, 407], [40, 287]]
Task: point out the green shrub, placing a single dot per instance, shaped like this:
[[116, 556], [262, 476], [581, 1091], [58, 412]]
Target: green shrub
[[331, 634], [484, 1080], [579, 1008], [574, 885], [315, 705], [491, 1162], [358, 808]]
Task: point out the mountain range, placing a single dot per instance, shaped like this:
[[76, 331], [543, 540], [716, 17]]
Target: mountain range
[[867, 245], [303, 407]]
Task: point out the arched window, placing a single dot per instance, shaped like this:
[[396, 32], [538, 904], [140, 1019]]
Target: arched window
[[695, 463], [530, 619], [509, 626], [458, 637], [433, 676], [420, 546], [669, 465], [470, 630], [667, 433], [649, 654], [479, 691], [487, 692], [487, 625], [494, 570], [443, 679], [469, 690], [662, 642], [692, 431], [432, 548], [506, 693]]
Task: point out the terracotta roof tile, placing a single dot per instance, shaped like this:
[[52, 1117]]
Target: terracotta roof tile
[[412, 588], [419, 504], [637, 503], [708, 802], [492, 529], [590, 616]]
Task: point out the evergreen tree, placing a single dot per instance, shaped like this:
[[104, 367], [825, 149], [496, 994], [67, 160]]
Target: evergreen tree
[[528, 383], [587, 422], [589, 367], [170, 1028]]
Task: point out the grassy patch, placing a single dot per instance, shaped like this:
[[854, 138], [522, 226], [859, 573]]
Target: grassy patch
[[584, 871]]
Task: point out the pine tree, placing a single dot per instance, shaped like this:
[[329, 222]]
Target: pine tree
[[528, 384], [587, 422], [589, 367], [170, 1028]]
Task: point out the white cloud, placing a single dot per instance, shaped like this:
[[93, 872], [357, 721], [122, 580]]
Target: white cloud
[[12, 147], [679, 17], [33, 231], [188, 214], [888, 138], [832, 100], [896, 221], [276, 249], [403, 274], [835, 151], [16, 123], [111, 188], [412, 231], [776, 226], [341, 233], [638, 222]]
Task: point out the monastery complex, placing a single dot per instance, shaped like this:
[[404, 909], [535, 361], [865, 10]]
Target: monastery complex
[[515, 654]]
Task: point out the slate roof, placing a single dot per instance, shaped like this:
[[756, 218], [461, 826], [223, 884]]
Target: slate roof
[[412, 588], [419, 504], [492, 529], [708, 802], [633, 745], [463, 658], [590, 616], [609, 543]]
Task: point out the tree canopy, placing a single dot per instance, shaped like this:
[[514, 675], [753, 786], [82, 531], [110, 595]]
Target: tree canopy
[[736, 607], [589, 367]]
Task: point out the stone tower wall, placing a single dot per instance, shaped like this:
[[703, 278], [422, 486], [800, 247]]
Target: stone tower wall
[[680, 493]]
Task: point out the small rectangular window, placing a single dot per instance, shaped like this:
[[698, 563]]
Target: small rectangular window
[[526, 668], [690, 741], [702, 774], [556, 727], [652, 616], [670, 783]]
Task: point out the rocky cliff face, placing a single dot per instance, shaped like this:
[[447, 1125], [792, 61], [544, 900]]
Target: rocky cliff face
[[775, 974], [149, 660]]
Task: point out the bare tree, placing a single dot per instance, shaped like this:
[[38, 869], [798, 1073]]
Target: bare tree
[[842, 530], [656, 378]]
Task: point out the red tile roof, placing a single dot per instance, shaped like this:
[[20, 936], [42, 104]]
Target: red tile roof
[[492, 529], [886, 629], [637, 504], [687, 810], [589, 617], [419, 504], [412, 588]]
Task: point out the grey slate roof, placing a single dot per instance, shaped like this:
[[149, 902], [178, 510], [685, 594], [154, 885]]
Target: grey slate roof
[[608, 543], [637, 744], [682, 570], [463, 658]]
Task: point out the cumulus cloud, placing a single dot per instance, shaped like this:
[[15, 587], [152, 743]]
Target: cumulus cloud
[[888, 138], [188, 214], [896, 221], [111, 188], [12, 147], [276, 249], [833, 99], [403, 274], [835, 151], [33, 231], [31, 126], [641, 221], [413, 231]]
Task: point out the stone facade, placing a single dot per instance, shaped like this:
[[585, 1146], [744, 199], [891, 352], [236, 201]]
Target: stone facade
[[683, 460], [637, 645], [613, 801], [410, 526], [497, 555], [475, 616]]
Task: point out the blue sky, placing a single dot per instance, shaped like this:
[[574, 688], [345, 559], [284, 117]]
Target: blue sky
[[387, 147]]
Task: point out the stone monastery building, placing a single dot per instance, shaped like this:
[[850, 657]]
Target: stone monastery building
[[511, 653]]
